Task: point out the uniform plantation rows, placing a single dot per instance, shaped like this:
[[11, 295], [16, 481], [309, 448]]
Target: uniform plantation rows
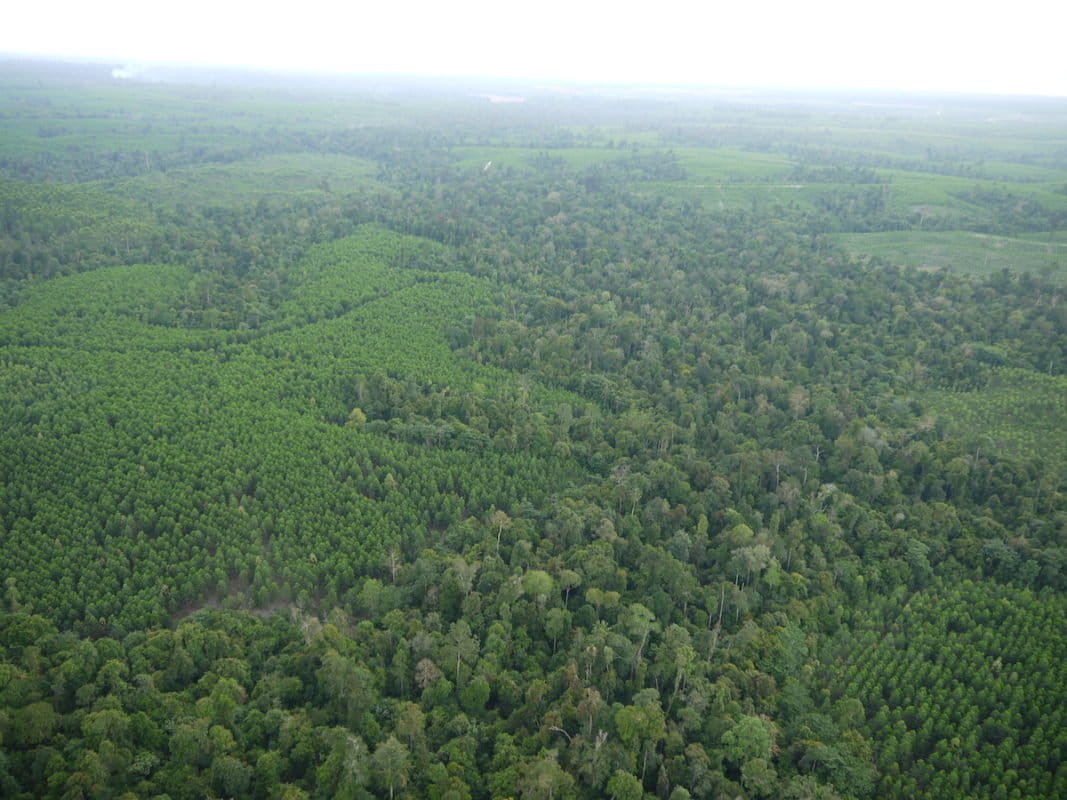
[[203, 413], [1018, 410], [961, 687]]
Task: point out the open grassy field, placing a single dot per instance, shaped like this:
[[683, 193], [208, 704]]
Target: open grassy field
[[730, 178], [1045, 236], [911, 191], [961, 251], [247, 181], [705, 165]]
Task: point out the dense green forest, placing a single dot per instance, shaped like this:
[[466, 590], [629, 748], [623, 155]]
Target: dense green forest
[[375, 439]]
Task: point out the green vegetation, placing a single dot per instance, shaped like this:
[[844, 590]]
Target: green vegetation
[[973, 253], [529, 157], [654, 460], [960, 687], [1019, 410], [354, 322], [265, 179], [58, 226]]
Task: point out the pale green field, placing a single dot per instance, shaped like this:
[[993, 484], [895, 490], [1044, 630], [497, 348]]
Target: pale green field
[[247, 181], [909, 190], [706, 165], [725, 179], [1006, 171], [961, 251], [1045, 236]]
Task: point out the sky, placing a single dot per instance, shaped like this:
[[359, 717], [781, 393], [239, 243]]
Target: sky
[[969, 46]]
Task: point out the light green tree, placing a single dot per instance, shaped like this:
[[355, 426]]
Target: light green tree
[[391, 763]]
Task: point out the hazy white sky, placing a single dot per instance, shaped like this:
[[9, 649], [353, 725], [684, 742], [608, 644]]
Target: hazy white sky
[[955, 45]]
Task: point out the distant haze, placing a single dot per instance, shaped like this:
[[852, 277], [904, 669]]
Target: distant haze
[[927, 45]]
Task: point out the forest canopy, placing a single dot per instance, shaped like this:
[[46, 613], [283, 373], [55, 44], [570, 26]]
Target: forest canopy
[[382, 441]]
